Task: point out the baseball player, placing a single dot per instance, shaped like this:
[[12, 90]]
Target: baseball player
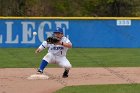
[[56, 52]]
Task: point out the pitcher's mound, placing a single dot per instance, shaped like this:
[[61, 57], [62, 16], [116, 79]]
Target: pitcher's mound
[[38, 76]]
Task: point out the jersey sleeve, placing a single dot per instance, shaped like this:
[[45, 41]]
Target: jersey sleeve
[[43, 45], [68, 41]]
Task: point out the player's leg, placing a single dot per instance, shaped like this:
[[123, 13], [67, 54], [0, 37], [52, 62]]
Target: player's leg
[[67, 67], [65, 74], [63, 62], [47, 59], [43, 64]]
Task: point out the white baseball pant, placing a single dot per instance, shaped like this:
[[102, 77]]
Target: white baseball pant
[[62, 61]]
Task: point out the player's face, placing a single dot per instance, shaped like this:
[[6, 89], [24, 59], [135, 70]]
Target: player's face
[[58, 35]]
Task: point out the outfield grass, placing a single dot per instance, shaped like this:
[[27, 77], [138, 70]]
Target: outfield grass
[[79, 57], [118, 88]]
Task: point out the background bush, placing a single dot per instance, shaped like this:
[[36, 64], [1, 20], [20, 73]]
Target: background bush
[[66, 8]]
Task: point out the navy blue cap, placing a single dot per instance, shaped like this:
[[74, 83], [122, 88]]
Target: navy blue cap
[[59, 30]]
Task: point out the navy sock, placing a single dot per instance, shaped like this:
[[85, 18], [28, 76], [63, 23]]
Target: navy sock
[[43, 64]]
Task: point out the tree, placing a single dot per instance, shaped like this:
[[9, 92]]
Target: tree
[[100, 8]]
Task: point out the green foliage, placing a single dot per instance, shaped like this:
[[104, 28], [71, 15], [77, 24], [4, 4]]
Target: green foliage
[[31, 2], [66, 8]]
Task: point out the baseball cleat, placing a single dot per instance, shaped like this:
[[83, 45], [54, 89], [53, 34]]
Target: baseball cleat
[[39, 71], [65, 74]]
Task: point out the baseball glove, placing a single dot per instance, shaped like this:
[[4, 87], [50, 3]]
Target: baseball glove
[[52, 40]]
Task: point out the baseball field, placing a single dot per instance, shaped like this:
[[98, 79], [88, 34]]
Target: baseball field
[[95, 70]]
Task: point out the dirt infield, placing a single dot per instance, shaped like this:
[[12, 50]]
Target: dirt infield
[[14, 80]]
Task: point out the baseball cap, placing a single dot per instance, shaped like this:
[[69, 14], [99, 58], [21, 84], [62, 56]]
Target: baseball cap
[[59, 30]]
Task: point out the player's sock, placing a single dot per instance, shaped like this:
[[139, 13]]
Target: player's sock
[[43, 64]]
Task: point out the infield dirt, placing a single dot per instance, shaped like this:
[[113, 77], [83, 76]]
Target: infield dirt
[[14, 80]]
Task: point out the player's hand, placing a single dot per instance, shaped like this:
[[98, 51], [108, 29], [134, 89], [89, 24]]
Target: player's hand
[[37, 51]]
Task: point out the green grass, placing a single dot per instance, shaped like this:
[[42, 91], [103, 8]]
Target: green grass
[[118, 88], [79, 57], [98, 57]]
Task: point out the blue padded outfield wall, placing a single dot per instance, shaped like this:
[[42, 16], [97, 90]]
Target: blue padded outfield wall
[[91, 33]]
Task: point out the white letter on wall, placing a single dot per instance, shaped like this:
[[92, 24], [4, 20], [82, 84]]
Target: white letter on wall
[[41, 30], [0, 38], [9, 33], [27, 32]]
